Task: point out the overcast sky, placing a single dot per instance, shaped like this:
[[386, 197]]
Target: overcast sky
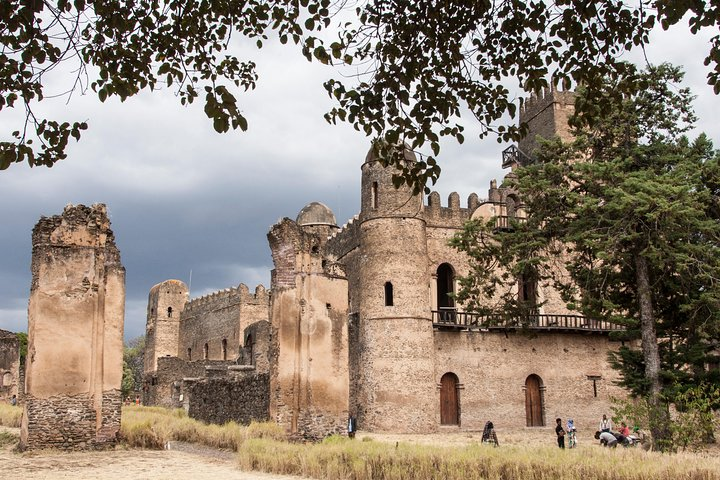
[[183, 198]]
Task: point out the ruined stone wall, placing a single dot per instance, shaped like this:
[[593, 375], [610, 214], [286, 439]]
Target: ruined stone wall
[[9, 366], [164, 387], [309, 364], [492, 369], [547, 116], [243, 396], [220, 316], [75, 334]]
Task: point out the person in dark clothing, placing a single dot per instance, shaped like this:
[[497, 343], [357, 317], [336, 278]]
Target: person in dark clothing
[[560, 432], [489, 437]]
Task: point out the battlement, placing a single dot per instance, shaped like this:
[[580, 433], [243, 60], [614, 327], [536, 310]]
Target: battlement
[[536, 102], [454, 215], [227, 298], [345, 239]]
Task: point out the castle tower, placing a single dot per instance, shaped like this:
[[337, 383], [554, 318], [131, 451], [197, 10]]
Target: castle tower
[[546, 116], [309, 371], [165, 303], [393, 387]]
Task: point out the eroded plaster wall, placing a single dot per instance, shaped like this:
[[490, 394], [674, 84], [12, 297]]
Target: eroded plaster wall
[[75, 333], [9, 366]]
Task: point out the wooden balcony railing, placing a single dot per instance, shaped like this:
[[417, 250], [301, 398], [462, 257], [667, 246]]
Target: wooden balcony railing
[[453, 319]]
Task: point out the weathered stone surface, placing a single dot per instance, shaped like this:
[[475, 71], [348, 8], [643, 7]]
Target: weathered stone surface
[[242, 397], [75, 333], [9, 366]]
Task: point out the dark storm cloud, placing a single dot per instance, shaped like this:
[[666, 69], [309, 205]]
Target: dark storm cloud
[[182, 198]]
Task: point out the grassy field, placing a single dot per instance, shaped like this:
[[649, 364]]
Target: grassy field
[[262, 447], [10, 415]]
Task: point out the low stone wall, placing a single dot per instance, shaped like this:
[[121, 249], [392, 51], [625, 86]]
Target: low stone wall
[[69, 422], [163, 388], [242, 397]]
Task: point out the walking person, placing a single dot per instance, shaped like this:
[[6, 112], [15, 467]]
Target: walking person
[[560, 432]]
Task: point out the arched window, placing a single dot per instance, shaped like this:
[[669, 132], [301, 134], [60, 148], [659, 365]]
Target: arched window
[[374, 195], [388, 294], [527, 291], [449, 400], [169, 311], [534, 401], [224, 349], [445, 289], [206, 351]]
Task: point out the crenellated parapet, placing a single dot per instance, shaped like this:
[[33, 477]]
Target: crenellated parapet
[[546, 115], [344, 240], [226, 298], [452, 216]]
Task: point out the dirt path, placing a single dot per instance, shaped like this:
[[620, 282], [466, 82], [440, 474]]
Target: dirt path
[[182, 461]]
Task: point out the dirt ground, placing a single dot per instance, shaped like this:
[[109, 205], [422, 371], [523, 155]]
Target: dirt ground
[[181, 461]]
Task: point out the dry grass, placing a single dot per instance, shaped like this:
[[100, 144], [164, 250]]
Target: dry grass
[[10, 415], [340, 458], [523, 455], [153, 427]]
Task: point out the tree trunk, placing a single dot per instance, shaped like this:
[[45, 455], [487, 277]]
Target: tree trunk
[[658, 411]]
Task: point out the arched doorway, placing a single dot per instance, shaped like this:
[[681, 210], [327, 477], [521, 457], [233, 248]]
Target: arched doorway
[[445, 289], [449, 401], [534, 408]]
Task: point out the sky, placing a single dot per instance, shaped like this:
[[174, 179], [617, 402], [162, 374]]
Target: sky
[[190, 204]]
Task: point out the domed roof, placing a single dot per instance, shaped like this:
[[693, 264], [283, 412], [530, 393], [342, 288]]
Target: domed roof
[[316, 213], [408, 153]]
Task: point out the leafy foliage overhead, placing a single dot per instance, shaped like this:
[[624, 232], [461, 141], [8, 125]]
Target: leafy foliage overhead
[[419, 65]]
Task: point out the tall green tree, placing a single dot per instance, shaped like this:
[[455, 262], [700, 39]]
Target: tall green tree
[[630, 210], [424, 63], [133, 369]]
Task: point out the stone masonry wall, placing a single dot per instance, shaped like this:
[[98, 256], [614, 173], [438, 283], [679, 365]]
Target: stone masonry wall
[[164, 387], [492, 368], [9, 366], [75, 333], [242, 398]]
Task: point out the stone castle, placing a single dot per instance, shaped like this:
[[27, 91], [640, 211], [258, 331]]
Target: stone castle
[[360, 321]]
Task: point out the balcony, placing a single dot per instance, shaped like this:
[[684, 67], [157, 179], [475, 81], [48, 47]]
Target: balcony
[[450, 319]]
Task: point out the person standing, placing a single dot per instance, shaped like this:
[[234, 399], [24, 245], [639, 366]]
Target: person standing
[[605, 424], [560, 432]]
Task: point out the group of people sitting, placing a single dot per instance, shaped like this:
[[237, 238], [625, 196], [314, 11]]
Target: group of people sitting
[[608, 438]]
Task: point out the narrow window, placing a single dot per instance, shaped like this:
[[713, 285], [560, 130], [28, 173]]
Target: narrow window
[[169, 311], [189, 353], [374, 195], [594, 379], [445, 290], [206, 350], [388, 294], [527, 291], [224, 349], [249, 350]]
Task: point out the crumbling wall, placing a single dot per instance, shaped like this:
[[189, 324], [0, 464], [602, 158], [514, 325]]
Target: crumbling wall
[[240, 395], [75, 333], [163, 387], [9, 366]]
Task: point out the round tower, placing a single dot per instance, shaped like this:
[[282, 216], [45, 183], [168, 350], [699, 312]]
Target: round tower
[[394, 387], [165, 303]]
